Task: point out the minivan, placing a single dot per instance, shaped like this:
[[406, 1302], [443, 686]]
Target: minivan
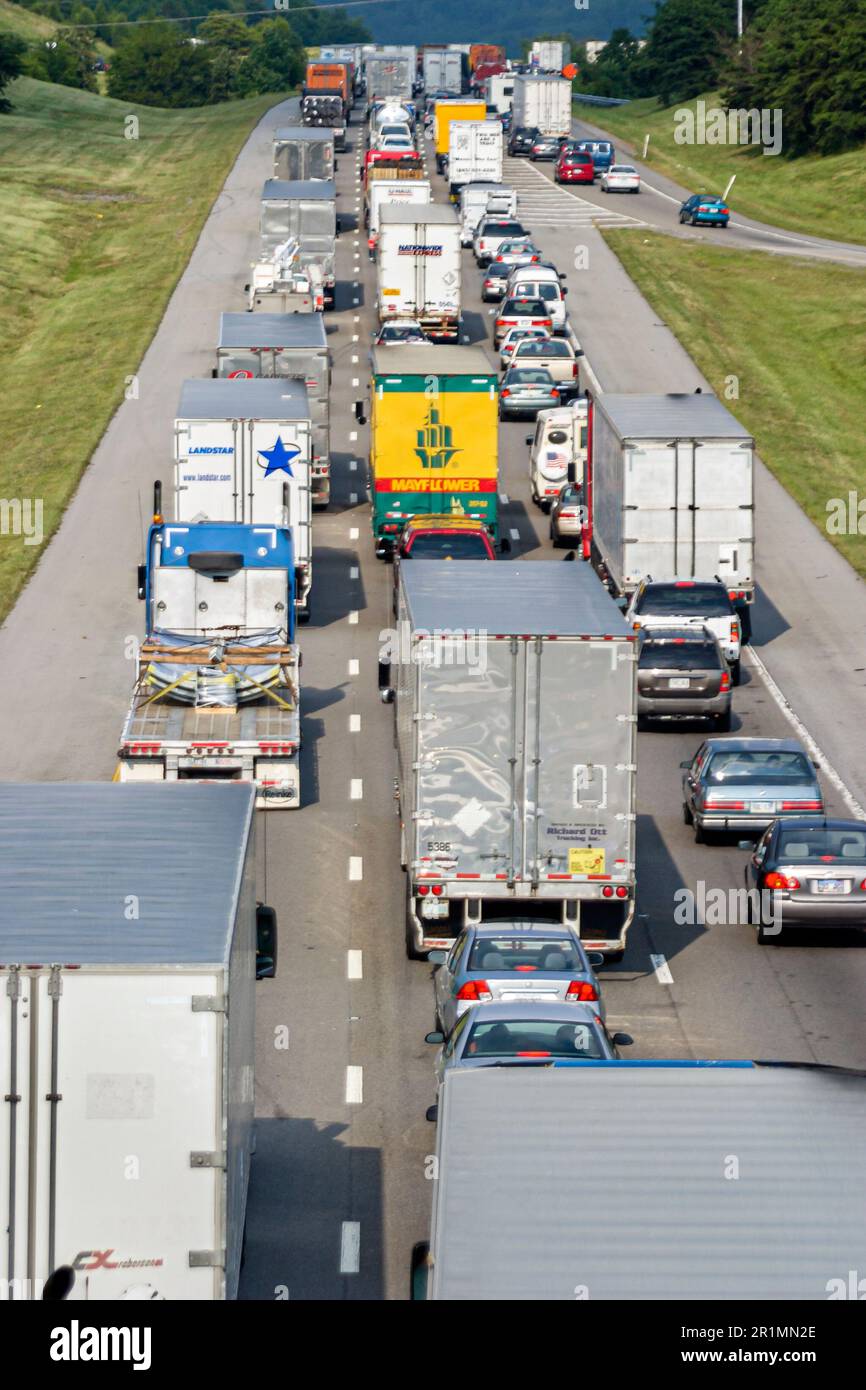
[[540, 282]]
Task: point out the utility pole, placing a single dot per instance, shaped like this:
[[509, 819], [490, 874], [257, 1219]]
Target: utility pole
[[739, 19]]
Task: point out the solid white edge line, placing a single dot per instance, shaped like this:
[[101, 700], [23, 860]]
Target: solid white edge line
[[662, 970], [803, 733]]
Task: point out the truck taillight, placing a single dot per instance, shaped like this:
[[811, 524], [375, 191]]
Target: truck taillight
[[475, 992], [574, 369], [726, 682], [580, 992]]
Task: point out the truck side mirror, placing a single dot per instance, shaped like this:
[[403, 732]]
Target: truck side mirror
[[213, 371], [266, 942], [359, 413], [529, 438], [59, 1284], [571, 472], [387, 693], [141, 574], [246, 289], [505, 546]]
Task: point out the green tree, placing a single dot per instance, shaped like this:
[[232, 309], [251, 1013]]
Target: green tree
[[230, 31], [617, 71], [12, 55], [276, 60], [156, 65], [67, 59]]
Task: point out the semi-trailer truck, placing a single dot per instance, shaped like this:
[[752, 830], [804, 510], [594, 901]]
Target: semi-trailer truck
[[444, 112], [127, 1136], [516, 713], [305, 211], [670, 493], [433, 437], [542, 103], [419, 265], [217, 685], [474, 154], [289, 347], [303, 152]]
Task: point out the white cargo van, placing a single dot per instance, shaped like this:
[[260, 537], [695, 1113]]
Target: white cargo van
[[557, 451]]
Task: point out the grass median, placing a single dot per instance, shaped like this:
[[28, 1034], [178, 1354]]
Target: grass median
[[821, 195], [793, 334], [95, 231]]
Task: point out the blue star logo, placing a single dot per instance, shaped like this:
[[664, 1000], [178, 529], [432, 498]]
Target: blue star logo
[[279, 458]]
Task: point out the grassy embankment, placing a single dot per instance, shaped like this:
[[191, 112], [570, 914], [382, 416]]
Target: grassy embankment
[[95, 230], [825, 196], [794, 334]]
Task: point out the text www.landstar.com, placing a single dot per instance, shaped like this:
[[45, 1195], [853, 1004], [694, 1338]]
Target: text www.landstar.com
[[769, 1358]]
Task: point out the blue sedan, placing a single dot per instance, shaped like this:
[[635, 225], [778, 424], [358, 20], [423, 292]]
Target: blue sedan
[[700, 209]]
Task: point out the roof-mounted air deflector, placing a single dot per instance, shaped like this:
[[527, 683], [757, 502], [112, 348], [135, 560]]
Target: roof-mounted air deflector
[[216, 561]]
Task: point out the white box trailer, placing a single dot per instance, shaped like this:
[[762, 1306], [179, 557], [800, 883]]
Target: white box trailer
[[477, 200], [243, 453], [474, 153], [671, 492], [289, 347], [499, 91], [402, 193], [443, 71], [303, 152], [418, 272], [516, 697], [548, 55], [126, 1154], [543, 103]]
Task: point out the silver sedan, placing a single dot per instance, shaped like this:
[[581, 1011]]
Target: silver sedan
[[620, 178], [525, 391], [807, 872], [513, 960], [747, 783]]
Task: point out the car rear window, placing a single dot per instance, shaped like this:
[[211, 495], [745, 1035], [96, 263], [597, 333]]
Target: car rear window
[[674, 656], [502, 229], [546, 290], [819, 845], [534, 1038], [759, 767], [553, 954], [523, 308], [454, 547], [669, 600], [548, 348], [530, 376]]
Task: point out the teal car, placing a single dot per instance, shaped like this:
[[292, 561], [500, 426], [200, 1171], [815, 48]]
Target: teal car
[[702, 209]]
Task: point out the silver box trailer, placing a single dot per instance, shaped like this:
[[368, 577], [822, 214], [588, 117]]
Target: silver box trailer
[[443, 70], [305, 209], [651, 1216], [671, 491], [544, 102], [127, 1152], [303, 152], [515, 689], [389, 75], [290, 347]]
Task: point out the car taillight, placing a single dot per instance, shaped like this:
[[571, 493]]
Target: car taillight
[[506, 391], [553, 391], [735, 630], [580, 991], [726, 805], [475, 991], [726, 682], [780, 881], [540, 323], [802, 805], [500, 322], [574, 369]]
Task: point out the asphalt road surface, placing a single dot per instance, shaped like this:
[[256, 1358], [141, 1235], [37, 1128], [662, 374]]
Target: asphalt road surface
[[339, 1190]]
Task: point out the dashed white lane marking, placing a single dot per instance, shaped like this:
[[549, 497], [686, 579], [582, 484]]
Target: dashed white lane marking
[[350, 1246], [353, 464], [356, 301], [356, 868], [803, 733], [354, 533], [354, 723], [356, 789], [354, 1086], [353, 499], [353, 616], [503, 497], [353, 572], [356, 381], [514, 534], [354, 337], [356, 318], [354, 666], [662, 970], [355, 965], [353, 436], [355, 357]]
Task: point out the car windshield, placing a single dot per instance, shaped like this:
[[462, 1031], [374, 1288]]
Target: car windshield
[[431, 546], [531, 376], [708, 600], [670, 656], [510, 953], [534, 1038], [758, 767], [548, 348], [818, 844]]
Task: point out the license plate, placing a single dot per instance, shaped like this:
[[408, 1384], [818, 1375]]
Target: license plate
[[829, 885], [763, 806], [519, 996], [679, 682]]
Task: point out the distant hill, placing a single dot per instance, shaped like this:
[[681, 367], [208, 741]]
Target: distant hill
[[469, 21], [27, 24]]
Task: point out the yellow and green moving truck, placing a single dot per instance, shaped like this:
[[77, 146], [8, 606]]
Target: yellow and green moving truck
[[433, 437], [448, 110]]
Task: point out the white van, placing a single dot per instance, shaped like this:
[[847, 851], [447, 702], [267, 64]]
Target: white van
[[479, 200], [540, 282], [557, 451]]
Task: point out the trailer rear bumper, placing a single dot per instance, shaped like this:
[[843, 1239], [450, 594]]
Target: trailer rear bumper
[[602, 924], [277, 778]]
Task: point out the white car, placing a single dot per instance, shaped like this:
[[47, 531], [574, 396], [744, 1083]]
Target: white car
[[540, 282], [678, 602], [512, 338], [620, 178]]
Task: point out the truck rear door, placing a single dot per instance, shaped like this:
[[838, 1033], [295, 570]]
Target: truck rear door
[[207, 470], [275, 455], [723, 515]]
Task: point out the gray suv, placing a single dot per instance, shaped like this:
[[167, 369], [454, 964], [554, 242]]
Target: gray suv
[[682, 674]]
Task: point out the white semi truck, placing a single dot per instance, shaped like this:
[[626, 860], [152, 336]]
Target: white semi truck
[[542, 103], [418, 273], [127, 1134]]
